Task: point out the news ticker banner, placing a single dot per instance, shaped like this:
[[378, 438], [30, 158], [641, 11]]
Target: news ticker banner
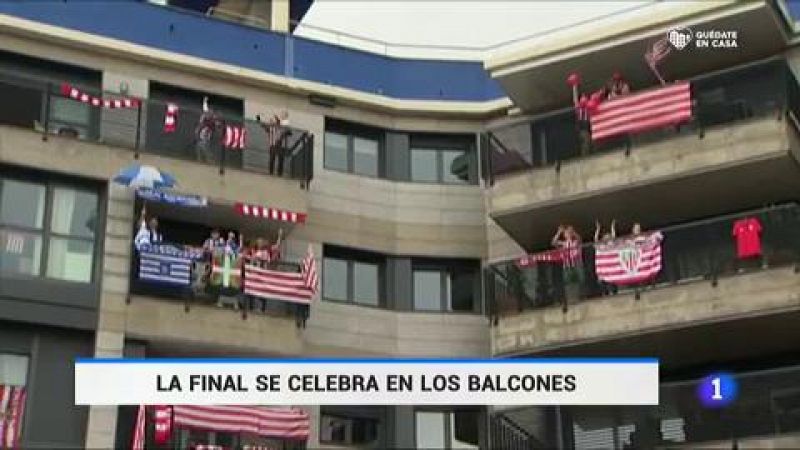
[[546, 381]]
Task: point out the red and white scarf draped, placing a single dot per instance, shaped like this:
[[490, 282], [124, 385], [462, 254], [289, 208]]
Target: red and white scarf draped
[[12, 409]]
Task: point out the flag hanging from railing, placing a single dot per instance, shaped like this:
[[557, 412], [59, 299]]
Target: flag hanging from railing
[[642, 111], [139, 429], [629, 260], [235, 137], [12, 409], [171, 118], [226, 270], [310, 275], [165, 264], [76, 94], [266, 422], [276, 285]]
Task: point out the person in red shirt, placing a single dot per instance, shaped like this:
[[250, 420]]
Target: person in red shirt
[[747, 232]]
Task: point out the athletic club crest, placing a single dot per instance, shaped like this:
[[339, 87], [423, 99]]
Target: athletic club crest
[[679, 37], [629, 258]]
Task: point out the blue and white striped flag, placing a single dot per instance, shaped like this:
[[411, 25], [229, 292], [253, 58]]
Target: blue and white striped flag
[[162, 265]]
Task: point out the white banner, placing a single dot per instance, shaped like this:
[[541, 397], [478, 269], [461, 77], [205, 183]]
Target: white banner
[[548, 381]]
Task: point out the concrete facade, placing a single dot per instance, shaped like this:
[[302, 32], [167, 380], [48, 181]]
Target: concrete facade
[[686, 305]]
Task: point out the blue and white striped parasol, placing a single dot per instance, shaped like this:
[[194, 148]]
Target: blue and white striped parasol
[[138, 176]]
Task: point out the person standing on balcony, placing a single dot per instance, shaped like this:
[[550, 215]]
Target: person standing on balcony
[[569, 242], [148, 233], [277, 130], [605, 239], [617, 86], [275, 249], [204, 133]]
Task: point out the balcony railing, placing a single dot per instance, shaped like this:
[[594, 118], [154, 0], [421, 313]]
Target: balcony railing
[[42, 106], [702, 250], [206, 289], [765, 89], [768, 405]]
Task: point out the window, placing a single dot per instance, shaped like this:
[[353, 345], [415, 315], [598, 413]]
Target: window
[[447, 430], [353, 148], [47, 229], [445, 287], [365, 156], [334, 279], [427, 290], [70, 117], [13, 369], [443, 159], [344, 429], [352, 276], [336, 151]]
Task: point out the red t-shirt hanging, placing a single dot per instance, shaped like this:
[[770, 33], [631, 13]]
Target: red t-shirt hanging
[[747, 232]]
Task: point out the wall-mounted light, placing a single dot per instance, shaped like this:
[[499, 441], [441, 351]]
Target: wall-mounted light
[[322, 100]]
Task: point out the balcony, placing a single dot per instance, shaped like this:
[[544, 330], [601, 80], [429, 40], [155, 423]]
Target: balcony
[[766, 414], [140, 127], [532, 71], [704, 284], [182, 292], [544, 174]]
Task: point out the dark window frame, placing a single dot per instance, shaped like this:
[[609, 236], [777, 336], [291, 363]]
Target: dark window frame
[[38, 291], [441, 144], [351, 257], [352, 416], [46, 232], [351, 132], [448, 269]]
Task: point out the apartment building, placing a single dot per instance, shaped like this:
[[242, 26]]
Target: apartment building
[[419, 185]]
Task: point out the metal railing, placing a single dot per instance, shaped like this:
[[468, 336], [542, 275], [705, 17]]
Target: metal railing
[[701, 250], [768, 405], [764, 89], [505, 434], [202, 292], [40, 105]]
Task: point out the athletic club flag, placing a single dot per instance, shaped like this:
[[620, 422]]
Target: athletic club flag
[[12, 408], [629, 260], [139, 429], [638, 112], [276, 285]]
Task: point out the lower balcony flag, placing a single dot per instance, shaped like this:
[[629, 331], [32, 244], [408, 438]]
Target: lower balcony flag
[[139, 434], [629, 260], [162, 421], [226, 270], [165, 264], [171, 118], [12, 409], [235, 137], [276, 285]]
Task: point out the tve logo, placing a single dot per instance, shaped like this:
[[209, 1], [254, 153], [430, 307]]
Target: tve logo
[[680, 37]]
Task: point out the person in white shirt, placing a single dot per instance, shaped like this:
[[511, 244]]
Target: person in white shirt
[[148, 233], [276, 128]]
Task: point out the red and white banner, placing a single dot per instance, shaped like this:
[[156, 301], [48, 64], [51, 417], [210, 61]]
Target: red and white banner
[[629, 260], [270, 213], [12, 409], [266, 422], [548, 256], [277, 285], [76, 94], [171, 118], [162, 421], [235, 137], [139, 429], [638, 112]]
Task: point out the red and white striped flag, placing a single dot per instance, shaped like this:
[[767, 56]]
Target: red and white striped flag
[[139, 429], [276, 285], [642, 111], [12, 409], [162, 421], [310, 274], [629, 260], [235, 137], [266, 422]]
